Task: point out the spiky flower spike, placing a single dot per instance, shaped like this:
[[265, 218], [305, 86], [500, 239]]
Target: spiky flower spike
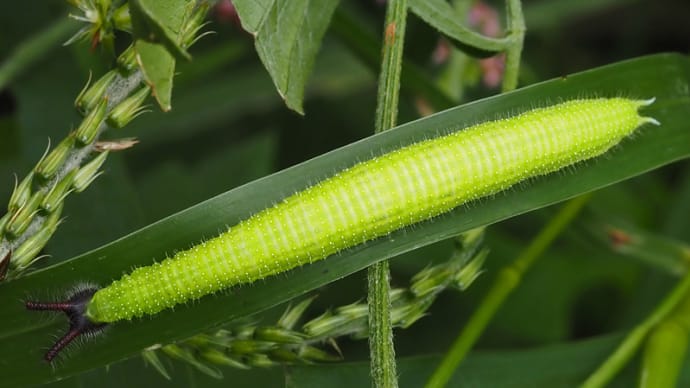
[[74, 307]]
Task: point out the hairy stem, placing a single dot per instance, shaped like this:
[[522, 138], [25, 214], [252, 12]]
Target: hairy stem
[[382, 351], [516, 27]]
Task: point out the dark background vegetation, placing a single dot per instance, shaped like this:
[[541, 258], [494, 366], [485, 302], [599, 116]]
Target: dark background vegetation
[[228, 126]]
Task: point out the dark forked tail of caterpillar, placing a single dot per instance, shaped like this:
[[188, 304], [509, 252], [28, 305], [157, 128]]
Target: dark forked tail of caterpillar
[[79, 324]]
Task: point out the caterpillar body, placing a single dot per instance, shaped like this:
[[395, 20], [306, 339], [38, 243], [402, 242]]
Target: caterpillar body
[[364, 202]]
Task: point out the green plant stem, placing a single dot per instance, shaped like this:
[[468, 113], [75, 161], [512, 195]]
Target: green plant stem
[[516, 27], [506, 280], [34, 48], [391, 66], [382, 351], [627, 349], [381, 347]]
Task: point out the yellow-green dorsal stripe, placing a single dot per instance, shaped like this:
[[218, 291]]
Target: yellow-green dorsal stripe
[[374, 198]]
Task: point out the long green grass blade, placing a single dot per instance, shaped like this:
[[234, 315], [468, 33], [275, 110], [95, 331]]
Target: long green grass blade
[[24, 336]]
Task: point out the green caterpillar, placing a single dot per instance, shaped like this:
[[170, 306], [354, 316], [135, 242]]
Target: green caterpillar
[[361, 203]]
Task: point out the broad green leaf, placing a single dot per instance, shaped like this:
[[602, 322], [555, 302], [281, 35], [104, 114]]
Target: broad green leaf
[[158, 66], [157, 25], [441, 15], [288, 35], [160, 22], [559, 366], [665, 77]]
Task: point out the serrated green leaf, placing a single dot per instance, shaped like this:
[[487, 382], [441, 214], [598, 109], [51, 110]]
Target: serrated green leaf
[[665, 77], [286, 47], [441, 15]]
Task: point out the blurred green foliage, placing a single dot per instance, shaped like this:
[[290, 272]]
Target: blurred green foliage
[[229, 126]]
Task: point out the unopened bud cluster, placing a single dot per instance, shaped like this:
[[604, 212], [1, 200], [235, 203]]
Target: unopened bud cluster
[[264, 346]]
